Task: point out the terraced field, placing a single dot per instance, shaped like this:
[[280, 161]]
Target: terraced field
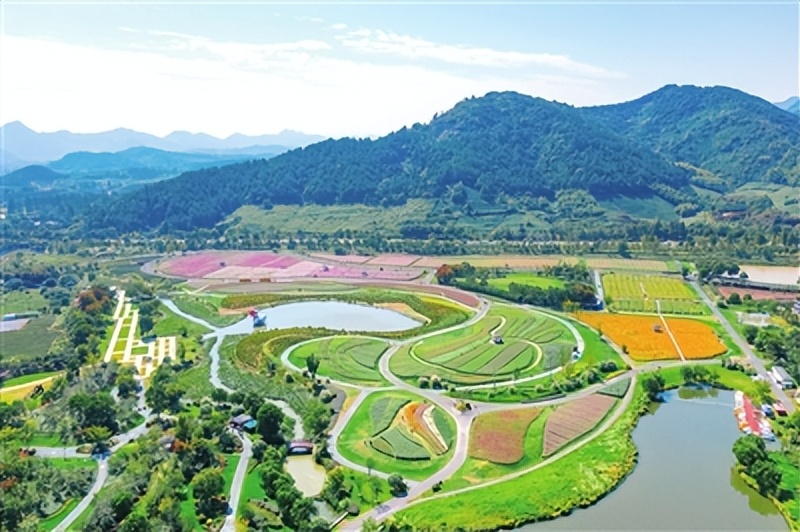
[[509, 341], [400, 433], [348, 359]]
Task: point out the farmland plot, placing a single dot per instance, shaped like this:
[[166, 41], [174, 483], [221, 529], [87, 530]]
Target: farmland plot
[[695, 338], [574, 419], [349, 359], [499, 437], [639, 335]]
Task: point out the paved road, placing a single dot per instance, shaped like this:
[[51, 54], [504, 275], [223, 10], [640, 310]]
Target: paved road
[[756, 362], [238, 483], [99, 481]]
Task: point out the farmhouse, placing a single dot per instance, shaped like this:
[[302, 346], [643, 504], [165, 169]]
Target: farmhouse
[[243, 422], [782, 377]]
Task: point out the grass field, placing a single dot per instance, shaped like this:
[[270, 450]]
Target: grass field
[[349, 359], [526, 278], [25, 379], [52, 521], [205, 307], [32, 341], [21, 301], [354, 442], [639, 293]]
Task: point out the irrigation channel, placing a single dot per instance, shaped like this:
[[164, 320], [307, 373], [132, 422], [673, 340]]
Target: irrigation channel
[[685, 477]]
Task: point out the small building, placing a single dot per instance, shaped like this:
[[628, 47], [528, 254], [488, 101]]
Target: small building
[[782, 377], [244, 422], [167, 442], [657, 328], [301, 447]]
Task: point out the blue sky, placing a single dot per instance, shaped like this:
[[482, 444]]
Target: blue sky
[[362, 70]]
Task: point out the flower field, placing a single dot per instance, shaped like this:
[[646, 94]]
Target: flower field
[[412, 434], [634, 333], [574, 419], [697, 340], [499, 437]]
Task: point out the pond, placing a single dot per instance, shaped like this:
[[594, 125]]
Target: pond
[[684, 479], [334, 315], [309, 476]]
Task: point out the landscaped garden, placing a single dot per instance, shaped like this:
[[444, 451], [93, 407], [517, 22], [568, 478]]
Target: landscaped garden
[[574, 419], [508, 343], [396, 432], [347, 359]]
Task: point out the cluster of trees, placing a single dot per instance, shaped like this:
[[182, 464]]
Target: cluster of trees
[[33, 489], [754, 460], [296, 511]]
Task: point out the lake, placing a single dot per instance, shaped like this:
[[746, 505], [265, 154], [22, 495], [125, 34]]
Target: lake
[[333, 315], [684, 479]]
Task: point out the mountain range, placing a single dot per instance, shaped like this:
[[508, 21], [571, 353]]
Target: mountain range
[[23, 146], [791, 105], [503, 152]]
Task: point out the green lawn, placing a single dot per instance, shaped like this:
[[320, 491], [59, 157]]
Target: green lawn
[[52, 521], [229, 470], [21, 301], [790, 482], [354, 443], [206, 308], [79, 523], [731, 379], [31, 341], [72, 463], [349, 359], [25, 379], [528, 279], [251, 488], [170, 324], [46, 439]]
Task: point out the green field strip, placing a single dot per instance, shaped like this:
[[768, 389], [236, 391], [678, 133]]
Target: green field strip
[[504, 357]]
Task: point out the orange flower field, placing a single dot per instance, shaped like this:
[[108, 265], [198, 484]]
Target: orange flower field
[[697, 340], [634, 332]]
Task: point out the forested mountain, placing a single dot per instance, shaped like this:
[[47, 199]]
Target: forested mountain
[[504, 145], [504, 152], [790, 105], [737, 136]]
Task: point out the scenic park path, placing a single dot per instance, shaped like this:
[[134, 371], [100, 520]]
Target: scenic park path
[[219, 335], [669, 331], [99, 481], [397, 504], [755, 361]]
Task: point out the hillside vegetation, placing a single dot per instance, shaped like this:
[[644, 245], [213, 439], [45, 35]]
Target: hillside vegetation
[[504, 155]]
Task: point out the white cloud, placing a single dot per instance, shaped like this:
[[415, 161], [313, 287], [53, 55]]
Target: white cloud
[[405, 46], [339, 26], [185, 82]]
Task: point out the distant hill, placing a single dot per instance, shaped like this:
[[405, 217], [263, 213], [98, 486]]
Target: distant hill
[[151, 158], [738, 137], [791, 105], [23, 143], [31, 176]]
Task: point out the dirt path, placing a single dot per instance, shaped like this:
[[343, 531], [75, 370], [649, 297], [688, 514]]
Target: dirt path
[[669, 331]]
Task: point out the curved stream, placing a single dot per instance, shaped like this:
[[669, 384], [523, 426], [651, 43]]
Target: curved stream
[[219, 334]]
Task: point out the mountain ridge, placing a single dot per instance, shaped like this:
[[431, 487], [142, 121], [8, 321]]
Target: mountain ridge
[[25, 144]]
